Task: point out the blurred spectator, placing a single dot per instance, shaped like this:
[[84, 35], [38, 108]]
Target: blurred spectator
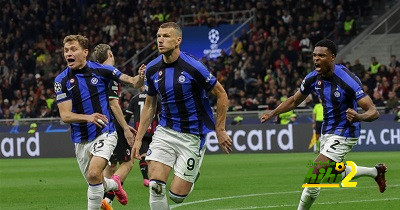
[[17, 116], [394, 62], [374, 66], [237, 46], [377, 99], [28, 113], [8, 116], [349, 28], [293, 118], [358, 69], [340, 18], [4, 70], [306, 46], [392, 103]]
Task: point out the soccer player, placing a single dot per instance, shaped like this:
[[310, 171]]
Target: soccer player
[[135, 108], [181, 83], [122, 152], [340, 92], [81, 90]]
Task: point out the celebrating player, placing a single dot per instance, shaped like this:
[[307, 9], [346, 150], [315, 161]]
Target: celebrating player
[[340, 92], [186, 117], [81, 90]]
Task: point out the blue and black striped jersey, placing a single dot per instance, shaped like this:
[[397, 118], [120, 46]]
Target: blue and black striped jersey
[[338, 93], [182, 87], [87, 88]]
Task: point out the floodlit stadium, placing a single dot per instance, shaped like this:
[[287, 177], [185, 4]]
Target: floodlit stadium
[[337, 63]]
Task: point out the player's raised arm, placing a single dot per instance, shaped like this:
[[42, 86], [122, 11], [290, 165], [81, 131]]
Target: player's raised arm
[[291, 103], [222, 106], [136, 81]]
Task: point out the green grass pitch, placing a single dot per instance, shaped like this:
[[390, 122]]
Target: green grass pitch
[[235, 181]]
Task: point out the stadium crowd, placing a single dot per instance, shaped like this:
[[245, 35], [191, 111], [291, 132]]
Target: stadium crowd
[[265, 66]]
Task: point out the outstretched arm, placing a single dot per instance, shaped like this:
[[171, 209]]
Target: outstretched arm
[[369, 115], [136, 81], [222, 106], [291, 103]]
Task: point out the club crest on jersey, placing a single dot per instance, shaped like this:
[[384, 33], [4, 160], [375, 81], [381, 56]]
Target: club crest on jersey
[[94, 80], [319, 82], [182, 78], [72, 81], [159, 73], [336, 94], [57, 87]]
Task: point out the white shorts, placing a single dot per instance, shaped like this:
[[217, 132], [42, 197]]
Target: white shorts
[[182, 151], [336, 147], [102, 146]]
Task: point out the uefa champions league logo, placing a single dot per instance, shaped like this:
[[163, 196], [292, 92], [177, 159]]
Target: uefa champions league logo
[[213, 36]]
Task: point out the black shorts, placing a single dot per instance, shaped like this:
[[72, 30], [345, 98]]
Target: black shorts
[[122, 152], [145, 144], [318, 126]]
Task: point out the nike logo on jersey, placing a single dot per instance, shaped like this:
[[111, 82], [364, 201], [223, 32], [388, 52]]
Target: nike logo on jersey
[[158, 79], [70, 88]]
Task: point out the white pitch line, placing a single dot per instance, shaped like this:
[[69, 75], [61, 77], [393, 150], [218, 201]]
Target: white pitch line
[[232, 197], [259, 194], [323, 203]]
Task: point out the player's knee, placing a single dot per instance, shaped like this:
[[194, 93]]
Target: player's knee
[[94, 177], [157, 188], [176, 198], [313, 191]]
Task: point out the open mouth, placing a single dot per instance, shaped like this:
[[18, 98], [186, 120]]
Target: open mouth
[[70, 61], [317, 66]]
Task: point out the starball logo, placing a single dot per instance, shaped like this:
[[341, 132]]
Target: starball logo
[[330, 177]]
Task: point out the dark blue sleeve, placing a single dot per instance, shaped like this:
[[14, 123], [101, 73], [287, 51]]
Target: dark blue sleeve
[[307, 86], [357, 88], [149, 83], [205, 78], [108, 71]]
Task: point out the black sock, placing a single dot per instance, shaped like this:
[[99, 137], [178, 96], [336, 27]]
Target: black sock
[[143, 168], [110, 195]]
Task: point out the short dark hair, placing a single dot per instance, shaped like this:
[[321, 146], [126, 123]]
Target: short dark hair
[[173, 25], [328, 44], [100, 53]]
